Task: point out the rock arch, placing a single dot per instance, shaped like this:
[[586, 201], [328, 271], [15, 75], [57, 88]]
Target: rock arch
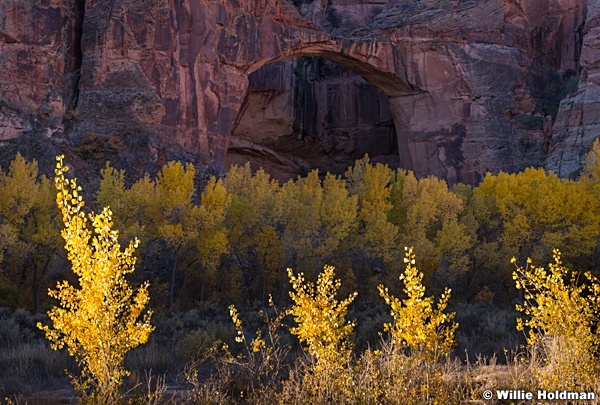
[[181, 68], [375, 60], [310, 112], [468, 81], [371, 60], [358, 58]]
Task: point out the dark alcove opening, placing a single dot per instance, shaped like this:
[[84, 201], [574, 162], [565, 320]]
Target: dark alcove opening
[[308, 113]]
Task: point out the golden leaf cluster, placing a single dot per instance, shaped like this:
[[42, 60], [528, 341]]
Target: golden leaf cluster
[[560, 317], [102, 318], [418, 326], [321, 318]]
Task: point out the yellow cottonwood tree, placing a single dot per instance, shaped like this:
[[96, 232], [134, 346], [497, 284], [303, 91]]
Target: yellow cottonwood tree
[[100, 321], [212, 241], [256, 247], [18, 193], [271, 259], [418, 326], [321, 318], [316, 216], [538, 211], [376, 235], [112, 193], [172, 213], [130, 206], [323, 327], [561, 318], [432, 226]]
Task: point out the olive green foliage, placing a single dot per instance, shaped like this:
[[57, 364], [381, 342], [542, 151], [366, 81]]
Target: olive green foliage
[[251, 219], [29, 229], [17, 197], [97, 146], [371, 184], [316, 216], [433, 226], [163, 211], [230, 242]]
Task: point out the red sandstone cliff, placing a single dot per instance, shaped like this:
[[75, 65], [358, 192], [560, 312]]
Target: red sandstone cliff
[[462, 86], [578, 120], [39, 62]]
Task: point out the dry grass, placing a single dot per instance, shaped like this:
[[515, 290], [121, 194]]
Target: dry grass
[[23, 368], [34, 374]]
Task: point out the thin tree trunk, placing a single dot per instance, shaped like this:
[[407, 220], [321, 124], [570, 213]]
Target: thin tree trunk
[[36, 284], [264, 289], [35, 287], [172, 287]]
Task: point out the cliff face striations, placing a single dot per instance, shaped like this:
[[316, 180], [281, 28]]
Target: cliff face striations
[[578, 120], [453, 88], [39, 64]]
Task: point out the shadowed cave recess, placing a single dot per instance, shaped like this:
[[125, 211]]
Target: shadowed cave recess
[[308, 113]]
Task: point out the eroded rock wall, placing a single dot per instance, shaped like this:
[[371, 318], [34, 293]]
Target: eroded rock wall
[[310, 112], [39, 64], [493, 73], [578, 122], [486, 77], [472, 85]]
